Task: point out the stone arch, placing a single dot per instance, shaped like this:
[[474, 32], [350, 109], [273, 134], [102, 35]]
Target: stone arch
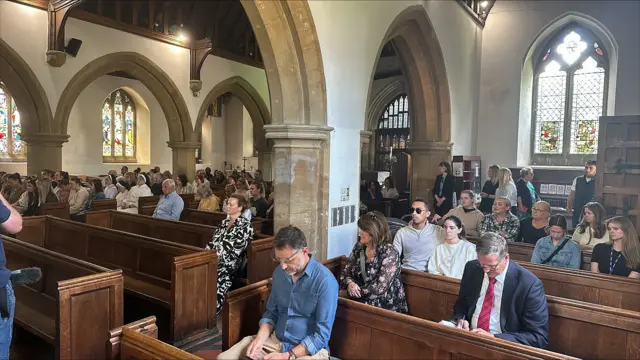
[[144, 70], [380, 100], [251, 100]]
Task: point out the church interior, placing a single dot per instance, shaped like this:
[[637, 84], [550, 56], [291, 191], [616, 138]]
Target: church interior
[[318, 112]]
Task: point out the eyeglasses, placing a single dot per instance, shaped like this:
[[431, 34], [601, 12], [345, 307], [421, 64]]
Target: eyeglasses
[[539, 210], [286, 261], [491, 267], [416, 210]]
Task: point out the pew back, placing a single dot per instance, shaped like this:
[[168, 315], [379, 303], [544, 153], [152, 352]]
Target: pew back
[[60, 210], [147, 201], [136, 345], [104, 204], [146, 326]]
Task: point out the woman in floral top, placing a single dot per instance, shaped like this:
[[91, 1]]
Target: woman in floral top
[[230, 241], [372, 273]]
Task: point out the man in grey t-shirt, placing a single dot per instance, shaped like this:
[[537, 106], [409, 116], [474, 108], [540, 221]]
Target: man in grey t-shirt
[[416, 242]]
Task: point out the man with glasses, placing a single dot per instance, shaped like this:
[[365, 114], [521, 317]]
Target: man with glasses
[[499, 298], [416, 241], [301, 307]]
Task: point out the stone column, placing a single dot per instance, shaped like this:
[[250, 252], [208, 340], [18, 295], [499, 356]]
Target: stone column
[[365, 140], [301, 177], [425, 157], [44, 151], [265, 165], [184, 158]]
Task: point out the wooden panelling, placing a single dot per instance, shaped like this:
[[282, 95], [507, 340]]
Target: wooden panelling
[[60, 210], [104, 204], [146, 326], [136, 345]]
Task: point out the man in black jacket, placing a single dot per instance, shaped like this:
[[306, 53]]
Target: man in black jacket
[[583, 191]]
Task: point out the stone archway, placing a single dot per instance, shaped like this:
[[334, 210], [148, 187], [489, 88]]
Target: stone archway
[[161, 86], [418, 48], [290, 49], [38, 130], [254, 104]]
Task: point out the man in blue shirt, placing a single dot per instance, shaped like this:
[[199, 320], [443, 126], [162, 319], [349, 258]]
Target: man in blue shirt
[[171, 204], [10, 223], [301, 307]]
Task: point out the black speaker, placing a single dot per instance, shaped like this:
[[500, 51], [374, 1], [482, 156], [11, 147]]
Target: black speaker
[[73, 47]]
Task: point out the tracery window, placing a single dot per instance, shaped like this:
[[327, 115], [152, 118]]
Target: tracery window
[[118, 128], [569, 96], [393, 130], [12, 148]]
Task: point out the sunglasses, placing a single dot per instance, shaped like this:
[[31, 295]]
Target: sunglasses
[[416, 210]]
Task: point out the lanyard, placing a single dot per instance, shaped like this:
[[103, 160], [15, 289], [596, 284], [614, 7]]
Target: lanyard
[[613, 264]]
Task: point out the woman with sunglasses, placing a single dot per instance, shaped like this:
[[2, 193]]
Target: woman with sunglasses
[[622, 256], [450, 258], [372, 273]]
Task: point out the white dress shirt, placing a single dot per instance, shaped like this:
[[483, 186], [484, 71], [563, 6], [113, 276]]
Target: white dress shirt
[[494, 320]]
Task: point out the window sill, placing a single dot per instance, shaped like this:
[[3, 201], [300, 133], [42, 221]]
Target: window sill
[[555, 167]]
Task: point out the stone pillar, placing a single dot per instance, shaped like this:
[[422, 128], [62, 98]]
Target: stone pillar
[[425, 157], [265, 165], [365, 140], [184, 158], [44, 151], [301, 177]]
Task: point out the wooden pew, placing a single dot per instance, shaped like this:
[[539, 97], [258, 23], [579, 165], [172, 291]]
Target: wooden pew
[[146, 326], [136, 345], [180, 281], [74, 304], [189, 201], [104, 204], [147, 202], [365, 332], [60, 210], [215, 218]]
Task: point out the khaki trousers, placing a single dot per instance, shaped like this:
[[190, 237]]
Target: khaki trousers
[[272, 344]]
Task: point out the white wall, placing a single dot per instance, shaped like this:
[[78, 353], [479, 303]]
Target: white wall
[[24, 28], [83, 153], [511, 28], [351, 35]]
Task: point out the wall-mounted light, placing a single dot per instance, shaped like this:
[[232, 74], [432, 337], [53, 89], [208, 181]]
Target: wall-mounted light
[[182, 34], [484, 4]]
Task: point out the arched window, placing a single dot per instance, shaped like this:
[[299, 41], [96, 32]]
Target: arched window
[[118, 128], [569, 96], [12, 148], [393, 130]]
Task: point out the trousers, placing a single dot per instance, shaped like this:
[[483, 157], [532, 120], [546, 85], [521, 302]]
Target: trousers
[[239, 350]]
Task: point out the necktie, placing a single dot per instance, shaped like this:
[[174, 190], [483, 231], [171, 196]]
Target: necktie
[[487, 305]]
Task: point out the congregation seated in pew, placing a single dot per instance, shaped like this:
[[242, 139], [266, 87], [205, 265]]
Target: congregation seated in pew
[[557, 249], [501, 220], [415, 242], [182, 185], [230, 241], [622, 256], [130, 203], [536, 227], [500, 298], [110, 189], [301, 308], [170, 205], [467, 212], [208, 200], [449, 258], [97, 193], [77, 198], [372, 272], [259, 204], [592, 229], [156, 185]]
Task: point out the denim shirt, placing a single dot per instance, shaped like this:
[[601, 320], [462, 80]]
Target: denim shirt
[[303, 313], [169, 207], [569, 257]]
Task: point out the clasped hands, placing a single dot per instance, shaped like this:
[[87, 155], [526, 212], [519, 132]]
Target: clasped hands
[[255, 349], [353, 290], [464, 325]]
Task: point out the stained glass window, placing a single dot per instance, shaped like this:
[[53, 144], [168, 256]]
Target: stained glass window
[[118, 128], [393, 128], [569, 95], [12, 148]]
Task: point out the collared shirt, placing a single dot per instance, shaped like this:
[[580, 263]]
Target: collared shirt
[[510, 226], [494, 320], [169, 207], [303, 312], [569, 256]]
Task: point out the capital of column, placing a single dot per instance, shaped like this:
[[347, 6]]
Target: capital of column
[[189, 145], [302, 136], [44, 139], [418, 147], [365, 136]]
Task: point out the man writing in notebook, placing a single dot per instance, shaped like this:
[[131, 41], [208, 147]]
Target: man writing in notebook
[[499, 298]]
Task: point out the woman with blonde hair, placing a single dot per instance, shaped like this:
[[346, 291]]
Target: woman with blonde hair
[[622, 256], [372, 273], [592, 230], [208, 201], [488, 193], [507, 189], [46, 192]]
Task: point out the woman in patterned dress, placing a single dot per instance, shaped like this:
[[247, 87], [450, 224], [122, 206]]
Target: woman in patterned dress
[[372, 273], [230, 240]]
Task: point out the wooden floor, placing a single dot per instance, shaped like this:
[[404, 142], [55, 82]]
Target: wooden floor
[[26, 346]]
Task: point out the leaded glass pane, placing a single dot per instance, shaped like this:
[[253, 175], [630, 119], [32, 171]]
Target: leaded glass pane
[[4, 121], [16, 130], [129, 124], [117, 125], [550, 110], [106, 129], [587, 107]]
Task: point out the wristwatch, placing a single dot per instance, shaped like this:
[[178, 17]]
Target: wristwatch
[[292, 355]]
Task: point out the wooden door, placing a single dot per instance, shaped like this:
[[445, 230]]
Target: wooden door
[[618, 176]]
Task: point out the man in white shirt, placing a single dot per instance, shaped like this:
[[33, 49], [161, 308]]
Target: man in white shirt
[[415, 242], [500, 298]]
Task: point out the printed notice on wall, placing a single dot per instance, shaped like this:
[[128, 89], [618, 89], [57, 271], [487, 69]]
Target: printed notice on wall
[[457, 169]]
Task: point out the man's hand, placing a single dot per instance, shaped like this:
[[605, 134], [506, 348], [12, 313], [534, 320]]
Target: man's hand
[[482, 332], [276, 356], [256, 345], [463, 324], [354, 290], [435, 218]]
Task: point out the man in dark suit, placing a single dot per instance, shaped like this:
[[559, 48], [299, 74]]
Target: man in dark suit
[[499, 298]]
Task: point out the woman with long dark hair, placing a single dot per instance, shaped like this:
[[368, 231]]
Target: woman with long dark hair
[[592, 229], [622, 256], [450, 257], [557, 249], [33, 199]]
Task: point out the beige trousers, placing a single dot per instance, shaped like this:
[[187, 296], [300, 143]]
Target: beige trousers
[[239, 350]]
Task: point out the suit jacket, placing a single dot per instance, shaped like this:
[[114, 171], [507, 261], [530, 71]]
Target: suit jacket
[[447, 189], [524, 315]]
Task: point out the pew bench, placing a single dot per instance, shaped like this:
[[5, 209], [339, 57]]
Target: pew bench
[[178, 282], [215, 218], [104, 204], [60, 210], [73, 305]]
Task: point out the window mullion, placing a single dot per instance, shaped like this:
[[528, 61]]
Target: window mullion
[[568, 110], [113, 132], [9, 101]]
